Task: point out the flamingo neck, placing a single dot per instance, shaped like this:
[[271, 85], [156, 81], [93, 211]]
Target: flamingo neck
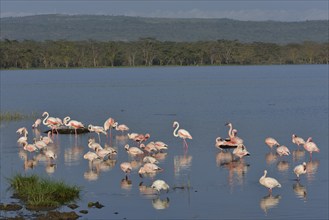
[[230, 131], [175, 131], [44, 120], [66, 121]]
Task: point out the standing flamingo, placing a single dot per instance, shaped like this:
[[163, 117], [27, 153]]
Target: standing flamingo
[[121, 127], [310, 146], [97, 130], [182, 133], [297, 140], [230, 134], [50, 122], [269, 182], [271, 142], [300, 169], [73, 123], [126, 168], [283, 151], [108, 125]]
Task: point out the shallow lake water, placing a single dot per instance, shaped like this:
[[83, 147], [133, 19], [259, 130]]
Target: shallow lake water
[[205, 183]]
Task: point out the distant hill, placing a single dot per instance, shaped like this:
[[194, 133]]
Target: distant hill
[[124, 28]]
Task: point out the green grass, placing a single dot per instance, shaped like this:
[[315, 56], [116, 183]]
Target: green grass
[[15, 116], [41, 192]]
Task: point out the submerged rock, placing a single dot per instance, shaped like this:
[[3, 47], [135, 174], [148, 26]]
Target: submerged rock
[[59, 215]]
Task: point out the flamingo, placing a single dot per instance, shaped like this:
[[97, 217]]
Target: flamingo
[[283, 151], [73, 123], [219, 142], [149, 168], [93, 145], [108, 125], [159, 185], [161, 145], [149, 148], [141, 138], [29, 147], [47, 139], [50, 121], [133, 150], [182, 133], [241, 151], [269, 182], [235, 139], [150, 159], [297, 140], [36, 123], [126, 168], [23, 139], [300, 169], [310, 146], [132, 136], [230, 134], [97, 130], [22, 131], [39, 144], [91, 156], [271, 142], [121, 127]]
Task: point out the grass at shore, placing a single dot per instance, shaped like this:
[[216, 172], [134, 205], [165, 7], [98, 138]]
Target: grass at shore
[[41, 192], [15, 116]]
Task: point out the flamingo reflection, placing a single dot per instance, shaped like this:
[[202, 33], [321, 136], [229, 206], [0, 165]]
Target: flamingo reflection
[[269, 202], [311, 169], [159, 203], [298, 155], [182, 163], [300, 190], [271, 158], [282, 166]]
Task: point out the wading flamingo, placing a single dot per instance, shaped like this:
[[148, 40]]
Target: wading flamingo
[[108, 125], [310, 146], [50, 122], [283, 151], [159, 185], [73, 123], [126, 168], [121, 127], [97, 130], [36, 123], [300, 169], [269, 182], [271, 142], [297, 140], [182, 133]]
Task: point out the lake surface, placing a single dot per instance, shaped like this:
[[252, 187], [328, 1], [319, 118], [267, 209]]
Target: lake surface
[[205, 183]]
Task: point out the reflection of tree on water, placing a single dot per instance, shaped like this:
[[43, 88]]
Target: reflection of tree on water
[[182, 163], [237, 168], [269, 202], [300, 190]]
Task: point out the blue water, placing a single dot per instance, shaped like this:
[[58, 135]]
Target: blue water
[[259, 101]]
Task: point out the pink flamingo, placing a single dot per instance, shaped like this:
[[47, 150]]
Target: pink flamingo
[[50, 122], [310, 146], [297, 140], [182, 133], [230, 134], [271, 142], [97, 130], [108, 125], [73, 123], [36, 123], [126, 168], [241, 151], [121, 127], [142, 138], [22, 131], [283, 151], [300, 169], [269, 182]]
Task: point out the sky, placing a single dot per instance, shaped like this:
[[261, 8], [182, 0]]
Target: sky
[[259, 10]]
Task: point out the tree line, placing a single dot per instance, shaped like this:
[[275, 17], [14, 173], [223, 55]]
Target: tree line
[[151, 52]]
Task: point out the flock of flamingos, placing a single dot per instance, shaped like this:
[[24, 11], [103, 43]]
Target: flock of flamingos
[[97, 152]]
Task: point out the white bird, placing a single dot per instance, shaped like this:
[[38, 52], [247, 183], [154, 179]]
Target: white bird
[[300, 169], [182, 133], [297, 140], [271, 142], [73, 123], [241, 151], [22, 131], [160, 185], [269, 182]]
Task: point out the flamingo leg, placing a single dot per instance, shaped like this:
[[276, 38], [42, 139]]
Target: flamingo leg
[[99, 139]]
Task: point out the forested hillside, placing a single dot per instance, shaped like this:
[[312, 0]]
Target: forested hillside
[[124, 28]]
